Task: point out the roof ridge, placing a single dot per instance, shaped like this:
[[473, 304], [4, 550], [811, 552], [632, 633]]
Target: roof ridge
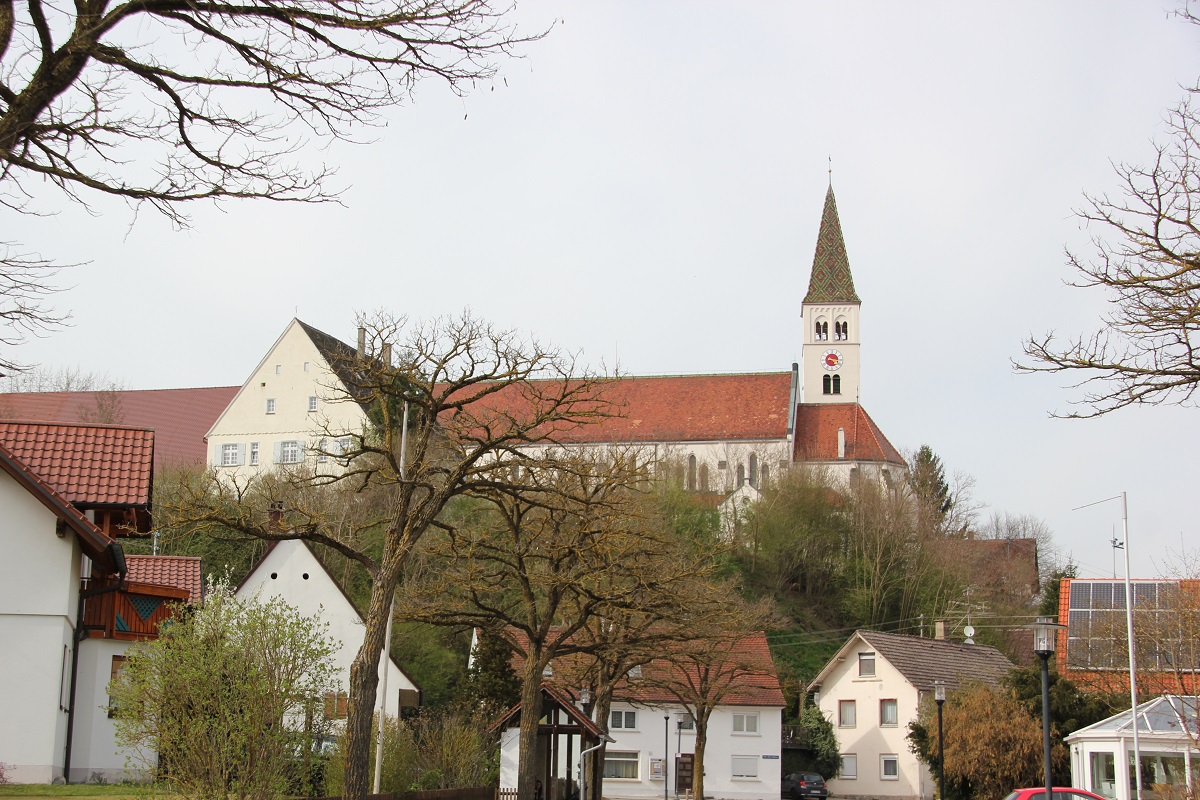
[[52, 424]]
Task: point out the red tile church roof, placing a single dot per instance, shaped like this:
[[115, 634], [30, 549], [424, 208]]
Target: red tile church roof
[[179, 417], [88, 464], [182, 572], [817, 427]]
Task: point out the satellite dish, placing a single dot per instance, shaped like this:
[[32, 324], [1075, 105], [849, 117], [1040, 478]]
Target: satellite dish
[[969, 630]]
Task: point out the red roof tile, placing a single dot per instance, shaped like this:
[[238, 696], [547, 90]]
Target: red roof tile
[[181, 572], [86, 464], [755, 682], [179, 417], [817, 427], [673, 408]]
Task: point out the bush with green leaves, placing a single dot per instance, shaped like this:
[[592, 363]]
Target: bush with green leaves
[[230, 697]]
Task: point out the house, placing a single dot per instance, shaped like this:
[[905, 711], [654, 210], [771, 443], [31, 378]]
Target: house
[[1102, 754], [871, 690], [290, 570], [1093, 648], [652, 734], [295, 400], [178, 417], [69, 601]]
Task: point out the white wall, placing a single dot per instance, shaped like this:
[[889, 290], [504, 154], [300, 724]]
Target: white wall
[[812, 369], [291, 372], [867, 739], [292, 572], [95, 752], [39, 584]]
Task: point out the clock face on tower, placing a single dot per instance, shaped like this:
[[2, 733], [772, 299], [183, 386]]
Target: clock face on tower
[[832, 360]]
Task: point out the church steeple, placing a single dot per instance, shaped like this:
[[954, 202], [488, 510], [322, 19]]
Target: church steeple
[[831, 281], [830, 311]]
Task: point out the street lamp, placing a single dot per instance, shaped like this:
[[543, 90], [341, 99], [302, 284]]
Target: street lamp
[[1045, 638], [939, 697]]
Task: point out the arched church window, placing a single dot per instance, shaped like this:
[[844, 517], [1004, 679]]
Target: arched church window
[[691, 474], [753, 470], [741, 475], [824, 330], [837, 384], [704, 477], [826, 385], [764, 477]]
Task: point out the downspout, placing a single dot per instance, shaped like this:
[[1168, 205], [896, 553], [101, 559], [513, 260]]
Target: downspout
[[117, 554]]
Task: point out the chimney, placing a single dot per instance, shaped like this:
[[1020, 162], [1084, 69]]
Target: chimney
[[362, 342], [841, 442], [386, 355], [939, 629], [275, 516]]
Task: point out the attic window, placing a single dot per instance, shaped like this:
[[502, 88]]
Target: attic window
[[548, 671], [866, 665], [306, 366], [312, 403], [635, 671], [278, 369], [270, 405]]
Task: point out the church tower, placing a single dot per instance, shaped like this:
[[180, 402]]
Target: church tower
[[829, 313]]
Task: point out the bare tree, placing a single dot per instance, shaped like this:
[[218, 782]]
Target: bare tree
[[1146, 258], [164, 102], [481, 399], [25, 287]]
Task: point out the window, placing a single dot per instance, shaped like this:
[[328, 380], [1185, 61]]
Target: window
[[837, 384], [741, 475], [254, 454], [335, 705], [635, 671], [753, 470], [278, 368], [306, 366], [686, 722], [826, 385], [745, 723], [847, 718], [704, 477], [866, 665], [231, 455], [849, 770], [621, 764], [118, 664], [289, 452], [270, 405], [888, 716], [625, 720], [745, 766], [312, 403], [764, 477], [322, 450], [889, 767], [691, 473]]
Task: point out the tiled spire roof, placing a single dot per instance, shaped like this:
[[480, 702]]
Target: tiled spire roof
[[831, 281]]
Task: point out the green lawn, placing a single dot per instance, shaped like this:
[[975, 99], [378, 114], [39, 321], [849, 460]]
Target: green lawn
[[117, 791]]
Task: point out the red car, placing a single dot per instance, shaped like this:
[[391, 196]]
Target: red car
[[1060, 793]]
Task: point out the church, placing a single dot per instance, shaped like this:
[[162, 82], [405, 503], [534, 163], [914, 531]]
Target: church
[[727, 433]]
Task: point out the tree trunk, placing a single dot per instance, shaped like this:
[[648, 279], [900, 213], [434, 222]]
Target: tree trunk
[[595, 764], [698, 761], [527, 741], [364, 681]]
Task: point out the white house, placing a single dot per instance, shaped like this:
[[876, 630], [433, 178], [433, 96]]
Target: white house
[[292, 572], [871, 690], [1102, 754], [650, 729], [292, 401], [69, 602]]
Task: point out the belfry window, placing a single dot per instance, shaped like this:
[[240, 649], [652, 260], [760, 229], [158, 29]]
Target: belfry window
[[837, 384], [822, 331], [841, 330]]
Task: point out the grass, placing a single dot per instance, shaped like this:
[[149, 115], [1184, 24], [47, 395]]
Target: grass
[[119, 791]]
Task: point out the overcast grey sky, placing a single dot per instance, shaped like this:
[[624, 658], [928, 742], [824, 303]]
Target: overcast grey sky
[[645, 185]]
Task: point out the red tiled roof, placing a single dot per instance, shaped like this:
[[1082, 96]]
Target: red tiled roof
[[673, 408], [754, 680], [181, 572], [179, 417], [86, 464], [817, 426]]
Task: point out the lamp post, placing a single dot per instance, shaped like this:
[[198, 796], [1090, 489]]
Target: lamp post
[[1045, 638], [939, 697], [666, 750]]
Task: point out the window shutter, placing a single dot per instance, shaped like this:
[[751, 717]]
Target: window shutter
[[241, 459], [277, 454]]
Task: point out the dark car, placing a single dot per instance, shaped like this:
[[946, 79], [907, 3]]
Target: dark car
[[803, 784]]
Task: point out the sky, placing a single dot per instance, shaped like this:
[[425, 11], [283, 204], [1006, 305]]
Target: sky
[[643, 186]]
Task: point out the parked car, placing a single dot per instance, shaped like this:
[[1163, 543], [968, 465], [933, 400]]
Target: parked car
[[807, 784], [1060, 793]]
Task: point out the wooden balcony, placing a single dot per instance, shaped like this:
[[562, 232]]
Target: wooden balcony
[[133, 612]]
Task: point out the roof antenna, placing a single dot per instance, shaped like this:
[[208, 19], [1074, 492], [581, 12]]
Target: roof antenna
[[830, 171]]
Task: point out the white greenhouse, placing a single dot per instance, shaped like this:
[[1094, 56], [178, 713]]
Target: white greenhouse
[[1102, 754]]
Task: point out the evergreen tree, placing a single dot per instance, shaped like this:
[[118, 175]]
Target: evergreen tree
[[491, 681], [927, 477]]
